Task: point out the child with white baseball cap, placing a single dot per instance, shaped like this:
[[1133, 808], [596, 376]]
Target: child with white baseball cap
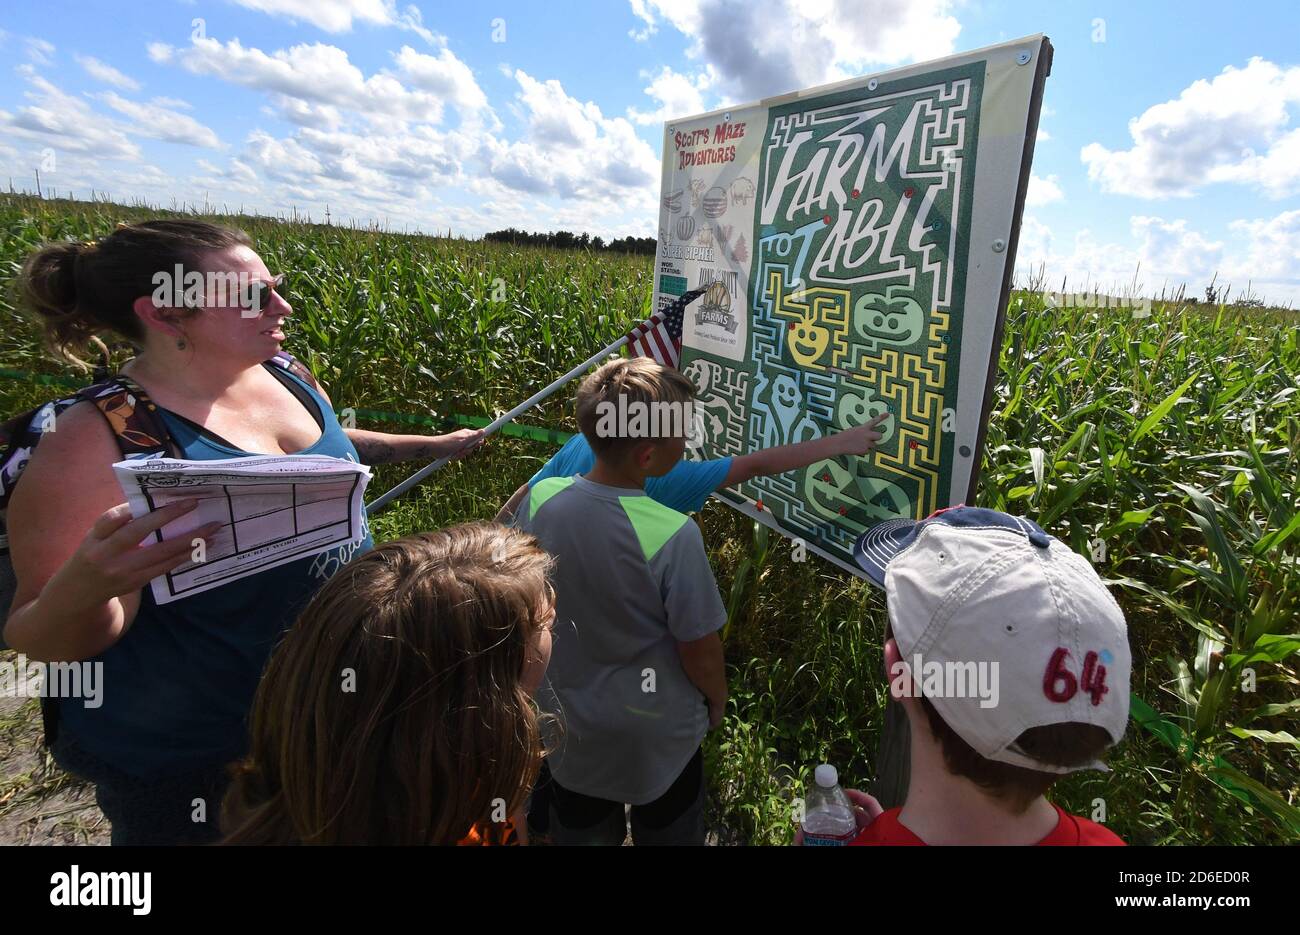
[[1011, 661]]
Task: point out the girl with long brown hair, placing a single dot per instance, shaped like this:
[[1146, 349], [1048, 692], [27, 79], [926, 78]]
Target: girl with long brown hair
[[398, 709]]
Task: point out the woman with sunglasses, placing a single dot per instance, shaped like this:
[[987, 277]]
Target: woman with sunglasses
[[176, 680]]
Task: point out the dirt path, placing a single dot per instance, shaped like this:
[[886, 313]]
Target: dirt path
[[40, 803]]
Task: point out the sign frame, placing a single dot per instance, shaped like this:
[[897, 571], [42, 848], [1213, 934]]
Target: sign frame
[[986, 268]]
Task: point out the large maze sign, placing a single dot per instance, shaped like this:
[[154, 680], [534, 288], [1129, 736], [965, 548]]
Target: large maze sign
[[857, 242]]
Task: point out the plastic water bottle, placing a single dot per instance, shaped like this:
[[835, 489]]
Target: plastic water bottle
[[828, 819]]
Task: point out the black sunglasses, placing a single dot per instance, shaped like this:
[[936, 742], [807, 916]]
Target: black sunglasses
[[254, 296]]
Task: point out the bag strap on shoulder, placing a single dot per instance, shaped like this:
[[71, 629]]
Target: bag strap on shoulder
[[133, 418], [296, 367]]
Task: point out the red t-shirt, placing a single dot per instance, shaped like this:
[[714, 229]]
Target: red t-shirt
[[1070, 831]]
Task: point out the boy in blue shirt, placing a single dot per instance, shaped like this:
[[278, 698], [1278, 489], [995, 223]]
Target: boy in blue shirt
[[688, 485]]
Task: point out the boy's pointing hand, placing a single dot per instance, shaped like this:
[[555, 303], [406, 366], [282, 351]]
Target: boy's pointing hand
[[862, 438]]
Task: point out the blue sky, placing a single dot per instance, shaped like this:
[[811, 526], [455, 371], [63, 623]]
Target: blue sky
[[1170, 142]]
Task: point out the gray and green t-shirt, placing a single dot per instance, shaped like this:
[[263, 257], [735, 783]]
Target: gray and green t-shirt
[[631, 580]]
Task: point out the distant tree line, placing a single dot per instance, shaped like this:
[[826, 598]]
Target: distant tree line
[[566, 240]]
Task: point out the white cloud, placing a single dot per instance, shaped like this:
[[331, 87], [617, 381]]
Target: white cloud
[[369, 144], [305, 113], [1210, 133], [1277, 172], [1035, 241], [319, 79], [444, 75], [67, 123], [1273, 255], [1043, 191], [75, 170], [677, 95], [282, 159], [643, 13], [107, 73], [1162, 255], [573, 151], [1172, 250], [338, 16], [376, 143], [762, 48], [160, 122], [39, 51], [61, 125], [574, 167], [175, 103], [1087, 266], [554, 117]]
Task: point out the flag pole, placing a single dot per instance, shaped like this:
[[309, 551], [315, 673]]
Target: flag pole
[[514, 413], [383, 501]]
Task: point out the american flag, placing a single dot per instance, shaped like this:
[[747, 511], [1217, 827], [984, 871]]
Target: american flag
[[660, 336]]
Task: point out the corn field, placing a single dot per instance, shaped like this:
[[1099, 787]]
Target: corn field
[[1162, 447]]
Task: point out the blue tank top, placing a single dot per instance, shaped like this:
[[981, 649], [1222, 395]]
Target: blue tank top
[[177, 688]]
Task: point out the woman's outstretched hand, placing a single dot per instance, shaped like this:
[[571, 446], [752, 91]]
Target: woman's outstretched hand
[[462, 442]]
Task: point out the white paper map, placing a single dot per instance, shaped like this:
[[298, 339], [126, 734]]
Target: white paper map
[[272, 510]]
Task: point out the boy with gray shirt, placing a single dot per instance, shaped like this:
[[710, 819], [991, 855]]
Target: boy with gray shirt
[[636, 677]]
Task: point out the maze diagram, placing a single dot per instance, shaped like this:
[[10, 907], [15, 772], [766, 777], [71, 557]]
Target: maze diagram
[[860, 232]]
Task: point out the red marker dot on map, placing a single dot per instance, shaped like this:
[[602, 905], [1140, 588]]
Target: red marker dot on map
[[826, 219], [856, 193], [913, 444], [792, 326], [843, 512], [759, 504], [908, 192]]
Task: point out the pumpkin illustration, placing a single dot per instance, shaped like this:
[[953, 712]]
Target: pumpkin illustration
[[807, 341], [855, 410], [881, 320]]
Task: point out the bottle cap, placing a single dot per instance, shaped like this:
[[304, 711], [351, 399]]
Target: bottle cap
[[826, 775]]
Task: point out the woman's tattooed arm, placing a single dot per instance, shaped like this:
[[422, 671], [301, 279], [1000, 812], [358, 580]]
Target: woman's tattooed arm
[[382, 448]]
